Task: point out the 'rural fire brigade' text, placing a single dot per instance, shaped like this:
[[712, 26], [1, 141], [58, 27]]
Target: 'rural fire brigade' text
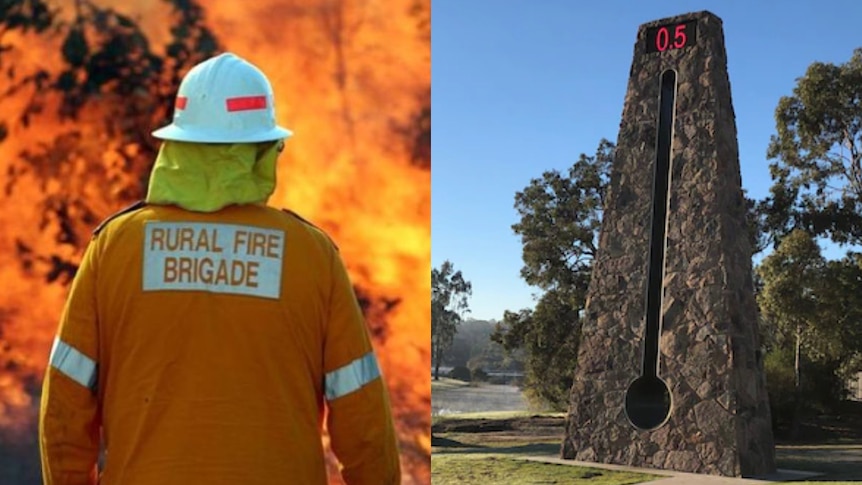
[[220, 258]]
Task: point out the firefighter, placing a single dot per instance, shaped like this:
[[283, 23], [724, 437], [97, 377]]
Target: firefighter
[[207, 337]]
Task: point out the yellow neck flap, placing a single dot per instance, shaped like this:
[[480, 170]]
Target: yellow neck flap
[[206, 177]]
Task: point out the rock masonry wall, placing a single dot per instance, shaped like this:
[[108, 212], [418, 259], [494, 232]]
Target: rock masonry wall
[[709, 348]]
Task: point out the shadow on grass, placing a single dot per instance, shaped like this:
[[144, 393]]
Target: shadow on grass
[[440, 442], [841, 464], [450, 446], [530, 449]]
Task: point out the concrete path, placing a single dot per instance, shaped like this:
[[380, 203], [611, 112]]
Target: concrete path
[[681, 478]]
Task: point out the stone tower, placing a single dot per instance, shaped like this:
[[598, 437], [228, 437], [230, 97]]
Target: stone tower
[[669, 370]]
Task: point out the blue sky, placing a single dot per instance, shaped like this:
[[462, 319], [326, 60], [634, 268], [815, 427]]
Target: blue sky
[[524, 86]]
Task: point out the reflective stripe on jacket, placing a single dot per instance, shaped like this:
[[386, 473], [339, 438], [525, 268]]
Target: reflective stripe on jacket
[[202, 347]]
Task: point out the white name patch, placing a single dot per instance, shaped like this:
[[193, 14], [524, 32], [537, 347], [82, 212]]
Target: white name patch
[[220, 258]]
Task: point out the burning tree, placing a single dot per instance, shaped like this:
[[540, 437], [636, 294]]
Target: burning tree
[[82, 84]]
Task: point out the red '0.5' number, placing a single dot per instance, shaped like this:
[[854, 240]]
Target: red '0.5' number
[[662, 38]]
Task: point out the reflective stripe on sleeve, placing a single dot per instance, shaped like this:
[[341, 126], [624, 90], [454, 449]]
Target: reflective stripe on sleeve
[[73, 364], [352, 376]]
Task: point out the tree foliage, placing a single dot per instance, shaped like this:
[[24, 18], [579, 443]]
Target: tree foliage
[[450, 293], [813, 312], [790, 275], [548, 335], [841, 300], [560, 216], [812, 307], [817, 153]]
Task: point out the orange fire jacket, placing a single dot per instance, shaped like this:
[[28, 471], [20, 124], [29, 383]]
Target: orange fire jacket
[[201, 347]]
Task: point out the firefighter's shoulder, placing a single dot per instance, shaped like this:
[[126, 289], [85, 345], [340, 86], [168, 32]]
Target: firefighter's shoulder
[[130, 208], [310, 224]]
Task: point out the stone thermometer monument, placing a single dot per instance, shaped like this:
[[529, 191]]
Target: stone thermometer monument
[[669, 370]]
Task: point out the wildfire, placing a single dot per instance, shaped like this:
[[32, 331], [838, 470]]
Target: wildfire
[[351, 79]]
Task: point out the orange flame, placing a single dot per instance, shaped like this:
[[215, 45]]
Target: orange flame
[[349, 77]]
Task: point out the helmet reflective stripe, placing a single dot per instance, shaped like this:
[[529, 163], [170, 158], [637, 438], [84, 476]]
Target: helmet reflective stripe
[[224, 99], [246, 103]]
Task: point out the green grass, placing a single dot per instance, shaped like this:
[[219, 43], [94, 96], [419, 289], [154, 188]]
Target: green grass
[[488, 469]]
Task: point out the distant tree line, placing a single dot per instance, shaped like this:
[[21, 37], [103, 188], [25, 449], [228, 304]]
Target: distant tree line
[[475, 357], [464, 346]]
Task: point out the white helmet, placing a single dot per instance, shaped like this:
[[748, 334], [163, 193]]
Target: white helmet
[[224, 99]]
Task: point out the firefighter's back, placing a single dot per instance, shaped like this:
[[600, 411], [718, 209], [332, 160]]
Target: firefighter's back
[[211, 346]]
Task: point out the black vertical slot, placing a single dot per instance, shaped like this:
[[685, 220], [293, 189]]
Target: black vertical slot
[[648, 399], [655, 276]]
